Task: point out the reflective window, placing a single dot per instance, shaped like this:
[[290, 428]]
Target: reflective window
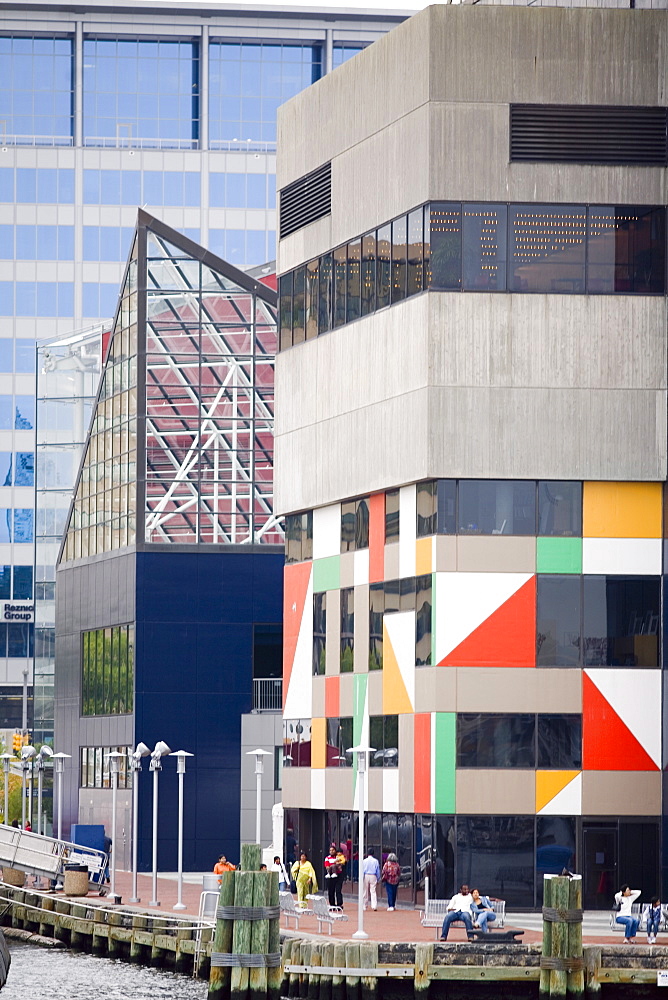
[[341, 53], [108, 671], [484, 233], [490, 740], [40, 185], [7, 354], [112, 187], [298, 316], [44, 242], [621, 621], [384, 737], [285, 309], [99, 300], [20, 639], [446, 493], [36, 88], [5, 583], [7, 184], [445, 251], [24, 356], [626, 249], [502, 507], [353, 302], [339, 289], [426, 508], [170, 187], [559, 508], [24, 413], [325, 294], [319, 632], [355, 524], [383, 266], [23, 524], [557, 620], [547, 248], [95, 772], [107, 242], [423, 604], [415, 251], [339, 739], [140, 90], [44, 298], [22, 589], [299, 537], [559, 742], [347, 629], [510, 841], [6, 413], [376, 609], [6, 468], [241, 247], [391, 515], [399, 258], [247, 83], [296, 748], [311, 299], [5, 524], [24, 473], [368, 274], [555, 848], [237, 190]]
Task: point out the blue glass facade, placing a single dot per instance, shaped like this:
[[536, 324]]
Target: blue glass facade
[[36, 87]]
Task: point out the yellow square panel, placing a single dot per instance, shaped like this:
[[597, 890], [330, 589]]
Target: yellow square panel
[[622, 510]]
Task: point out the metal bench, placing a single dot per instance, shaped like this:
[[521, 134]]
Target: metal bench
[[637, 910], [324, 913], [435, 912], [289, 909]]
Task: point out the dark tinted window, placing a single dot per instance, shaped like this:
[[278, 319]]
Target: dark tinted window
[[376, 608], [495, 740], [559, 508], [391, 515], [484, 231], [559, 742], [383, 736], [621, 621], [347, 629], [340, 282], [446, 492], [445, 253], [426, 508], [353, 307], [325, 294], [285, 309], [311, 299], [415, 252], [510, 841], [298, 334], [555, 848], [392, 596], [557, 621], [497, 507], [626, 249], [423, 620], [547, 248], [368, 278], [362, 524], [383, 266], [399, 256], [348, 526], [319, 632]]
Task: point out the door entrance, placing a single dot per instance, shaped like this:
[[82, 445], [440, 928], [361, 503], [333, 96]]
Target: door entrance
[[600, 848]]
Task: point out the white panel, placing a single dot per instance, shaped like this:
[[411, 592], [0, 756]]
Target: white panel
[[465, 600], [327, 531], [407, 529], [318, 788], [635, 695], [622, 555], [299, 697], [567, 802], [361, 567], [391, 789], [401, 631]]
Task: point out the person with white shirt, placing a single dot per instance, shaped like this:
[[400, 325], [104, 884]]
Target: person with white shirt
[[371, 874], [459, 909], [624, 899]]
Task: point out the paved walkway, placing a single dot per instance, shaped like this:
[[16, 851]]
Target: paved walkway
[[403, 924]]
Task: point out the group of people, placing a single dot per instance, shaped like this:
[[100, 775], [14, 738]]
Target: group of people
[[473, 909], [624, 900], [304, 880]]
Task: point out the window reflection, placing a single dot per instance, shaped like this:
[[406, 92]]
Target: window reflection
[[487, 740], [311, 299], [319, 632], [559, 742], [376, 609], [347, 629], [298, 333], [621, 621], [426, 508], [399, 258], [557, 621], [445, 254], [325, 294], [353, 304], [626, 249], [423, 620], [340, 280], [415, 253], [497, 507], [383, 266], [391, 515], [547, 248], [559, 508], [484, 233], [368, 274]]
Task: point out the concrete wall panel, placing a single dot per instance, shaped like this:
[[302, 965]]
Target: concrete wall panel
[[501, 554], [495, 792], [506, 689], [639, 791], [435, 689]]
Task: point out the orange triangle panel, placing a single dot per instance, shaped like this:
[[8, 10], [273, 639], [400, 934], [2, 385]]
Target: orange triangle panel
[[506, 639], [295, 585], [607, 743]]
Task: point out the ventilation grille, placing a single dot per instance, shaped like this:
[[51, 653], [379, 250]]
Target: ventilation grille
[[306, 200], [561, 133]]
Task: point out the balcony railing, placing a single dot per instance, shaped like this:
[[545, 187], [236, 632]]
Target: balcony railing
[[267, 694]]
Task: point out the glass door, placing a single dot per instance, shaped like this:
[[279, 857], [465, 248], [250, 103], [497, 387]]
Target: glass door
[[600, 848]]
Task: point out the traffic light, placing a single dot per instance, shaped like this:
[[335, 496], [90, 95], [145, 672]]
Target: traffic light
[[17, 743]]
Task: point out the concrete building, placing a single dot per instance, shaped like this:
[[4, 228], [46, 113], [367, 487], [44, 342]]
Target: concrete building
[[103, 109], [471, 448]]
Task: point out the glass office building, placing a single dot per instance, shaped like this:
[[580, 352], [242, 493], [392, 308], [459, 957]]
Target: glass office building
[[101, 113]]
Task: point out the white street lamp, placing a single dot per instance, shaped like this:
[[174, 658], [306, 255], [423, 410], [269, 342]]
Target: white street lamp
[[180, 770], [59, 763], [44, 753], [259, 754], [114, 758], [135, 760], [6, 757], [157, 754], [361, 770], [27, 753]]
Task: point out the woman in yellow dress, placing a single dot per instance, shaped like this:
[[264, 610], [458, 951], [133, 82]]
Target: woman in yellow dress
[[303, 873]]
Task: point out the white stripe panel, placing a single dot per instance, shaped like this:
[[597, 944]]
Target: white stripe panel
[[361, 567], [318, 788], [432, 769], [465, 600], [407, 529], [327, 531], [391, 789], [635, 695], [567, 802], [622, 555], [299, 697]]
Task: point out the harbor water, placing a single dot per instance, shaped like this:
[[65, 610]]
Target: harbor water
[[58, 974]]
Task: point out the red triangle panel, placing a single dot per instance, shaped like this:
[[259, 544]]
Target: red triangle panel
[[295, 584], [506, 639], [607, 743]]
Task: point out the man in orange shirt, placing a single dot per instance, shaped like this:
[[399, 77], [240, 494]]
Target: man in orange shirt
[[222, 865]]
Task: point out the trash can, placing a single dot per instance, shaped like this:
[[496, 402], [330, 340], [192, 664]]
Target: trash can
[[12, 876], [75, 882]]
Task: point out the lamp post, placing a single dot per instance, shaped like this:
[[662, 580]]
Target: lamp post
[[59, 763], [44, 753], [361, 770], [6, 757], [114, 758], [259, 755], [157, 754], [135, 760], [180, 770], [27, 753]]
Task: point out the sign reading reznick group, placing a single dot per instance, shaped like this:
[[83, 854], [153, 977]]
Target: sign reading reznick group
[[17, 611]]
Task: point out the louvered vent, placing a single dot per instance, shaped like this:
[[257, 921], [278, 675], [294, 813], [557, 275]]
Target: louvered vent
[[306, 200], [562, 133]]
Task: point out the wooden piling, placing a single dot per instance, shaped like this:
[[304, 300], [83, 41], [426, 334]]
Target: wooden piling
[[274, 975], [339, 982], [592, 961], [183, 959], [241, 933], [77, 937], [369, 960], [59, 931], [100, 931], [18, 909], [258, 977], [544, 987], [219, 977], [137, 947], [113, 945], [352, 962], [327, 957], [424, 957], [48, 905], [286, 958], [560, 897], [575, 978], [295, 957], [313, 986], [304, 959]]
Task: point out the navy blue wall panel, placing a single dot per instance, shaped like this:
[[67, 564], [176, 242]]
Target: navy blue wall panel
[[194, 646]]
